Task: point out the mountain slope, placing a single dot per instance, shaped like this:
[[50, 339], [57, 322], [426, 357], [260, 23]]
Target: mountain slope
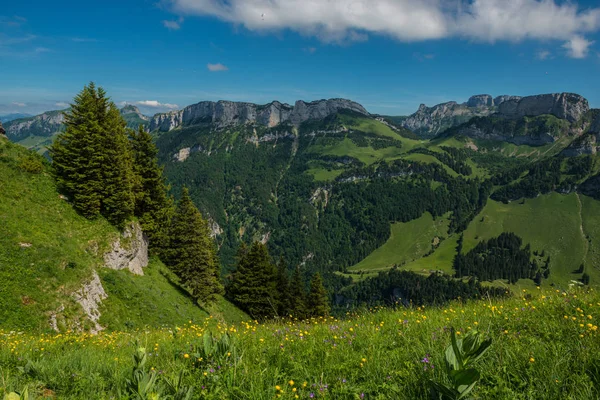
[[50, 258]]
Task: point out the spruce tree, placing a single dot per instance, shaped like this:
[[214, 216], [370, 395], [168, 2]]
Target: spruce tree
[[152, 205], [192, 254], [92, 158], [318, 301], [253, 287], [118, 200], [283, 289], [298, 296], [77, 154]]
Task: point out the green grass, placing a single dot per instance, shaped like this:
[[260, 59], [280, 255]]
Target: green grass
[[367, 155], [322, 174], [47, 251], [429, 159], [408, 241], [542, 348], [550, 222]]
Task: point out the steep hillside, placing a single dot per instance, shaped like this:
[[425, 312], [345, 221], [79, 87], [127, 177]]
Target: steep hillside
[[53, 263]]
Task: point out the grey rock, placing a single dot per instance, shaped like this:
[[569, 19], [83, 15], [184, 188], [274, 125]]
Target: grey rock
[[502, 98], [129, 252], [473, 131], [2, 131], [480, 100], [227, 113], [567, 106], [90, 298], [428, 122], [585, 144]]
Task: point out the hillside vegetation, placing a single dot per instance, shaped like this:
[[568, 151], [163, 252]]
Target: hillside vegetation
[[48, 251], [545, 345]]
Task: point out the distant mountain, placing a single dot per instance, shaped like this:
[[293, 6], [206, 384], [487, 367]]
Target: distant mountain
[[10, 117], [134, 117], [428, 122], [532, 120], [44, 125], [227, 113], [38, 131]]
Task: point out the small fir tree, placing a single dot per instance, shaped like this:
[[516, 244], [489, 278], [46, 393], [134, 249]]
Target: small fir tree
[[253, 287], [318, 301], [192, 254], [283, 288], [298, 307]]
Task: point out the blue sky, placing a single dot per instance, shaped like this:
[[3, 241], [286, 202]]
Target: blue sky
[[389, 55]]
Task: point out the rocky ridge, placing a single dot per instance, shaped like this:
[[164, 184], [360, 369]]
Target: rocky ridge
[[569, 106], [46, 124], [2, 131], [226, 113], [428, 122], [130, 109]]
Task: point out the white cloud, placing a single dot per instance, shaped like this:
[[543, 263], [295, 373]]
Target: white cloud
[[543, 55], [577, 47], [405, 20], [173, 25], [154, 104], [16, 103], [216, 67], [61, 104]]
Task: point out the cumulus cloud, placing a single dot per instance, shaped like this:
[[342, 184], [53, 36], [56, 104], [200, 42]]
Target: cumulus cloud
[[406, 20], [155, 104], [216, 67], [577, 47]]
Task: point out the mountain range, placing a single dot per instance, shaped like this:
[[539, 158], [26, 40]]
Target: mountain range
[[331, 188]]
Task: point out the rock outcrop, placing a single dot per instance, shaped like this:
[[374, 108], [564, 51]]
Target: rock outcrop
[[226, 113], [2, 131], [129, 252], [90, 297], [567, 106]]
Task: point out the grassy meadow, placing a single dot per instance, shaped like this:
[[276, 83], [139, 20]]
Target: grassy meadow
[[545, 346]]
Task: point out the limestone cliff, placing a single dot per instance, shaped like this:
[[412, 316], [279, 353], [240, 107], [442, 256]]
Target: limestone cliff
[[428, 122], [46, 124], [567, 106], [226, 113]]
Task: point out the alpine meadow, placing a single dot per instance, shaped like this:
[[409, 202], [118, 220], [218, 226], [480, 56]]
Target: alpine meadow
[[355, 222]]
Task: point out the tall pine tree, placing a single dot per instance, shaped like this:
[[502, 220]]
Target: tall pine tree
[[77, 154], [152, 205], [318, 301], [283, 289], [253, 287], [118, 199], [192, 254], [92, 158]]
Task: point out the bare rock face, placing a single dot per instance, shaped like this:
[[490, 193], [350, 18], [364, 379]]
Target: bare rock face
[[480, 100], [90, 297], [567, 106], [505, 97], [227, 113], [2, 131], [129, 252], [427, 122]]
